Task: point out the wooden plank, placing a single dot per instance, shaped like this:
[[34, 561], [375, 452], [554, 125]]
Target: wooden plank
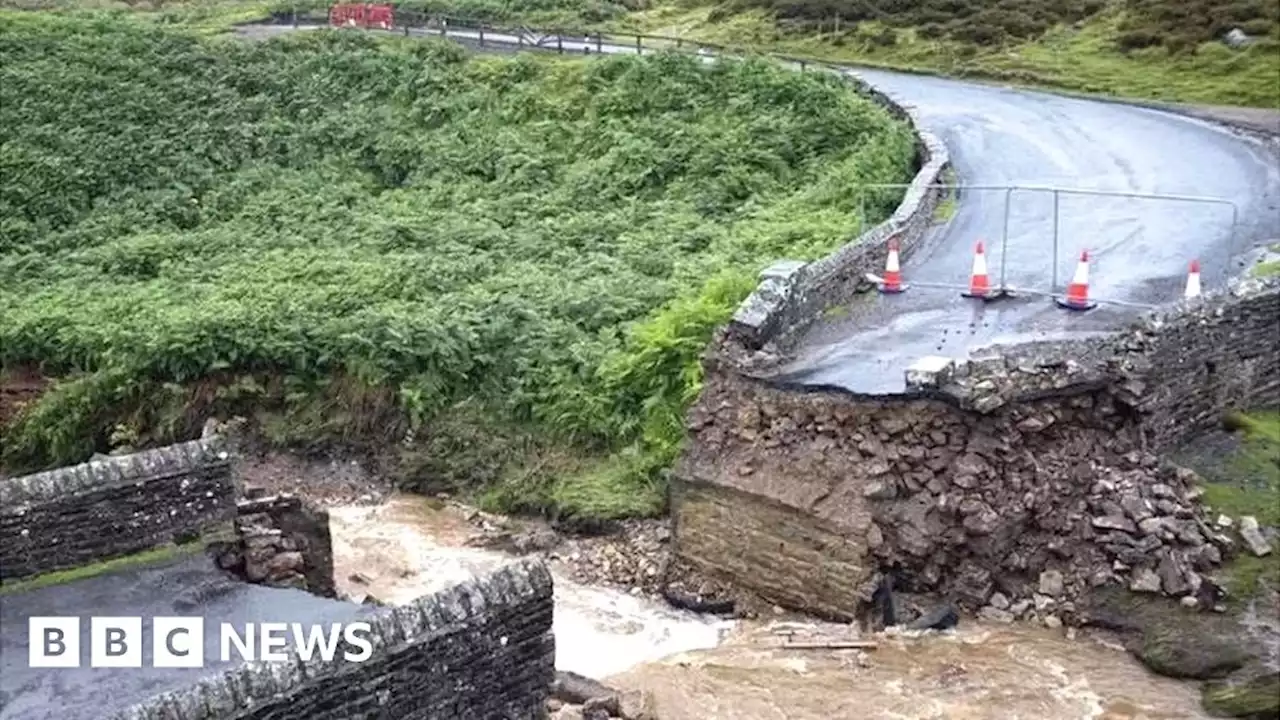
[[834, 645]]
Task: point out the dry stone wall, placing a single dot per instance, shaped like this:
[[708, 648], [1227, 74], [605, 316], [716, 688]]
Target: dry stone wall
[[1180, 368], [113, 507], [791, 294], [1017, 481], [482, 649]]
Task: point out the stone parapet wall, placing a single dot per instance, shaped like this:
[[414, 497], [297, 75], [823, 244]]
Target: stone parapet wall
[[1181, 368], [113, 507], [481, 649], [1207, 357], [792, 294]]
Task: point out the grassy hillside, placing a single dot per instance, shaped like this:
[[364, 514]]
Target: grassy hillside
[[1167, 50], [515, 262]]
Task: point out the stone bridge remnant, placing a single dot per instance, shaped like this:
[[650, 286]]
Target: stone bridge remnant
[[114, 507], [483, 648], [1030, 474], [1026, 475], [281, 541]]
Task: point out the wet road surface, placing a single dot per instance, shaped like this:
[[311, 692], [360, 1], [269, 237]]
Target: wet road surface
[[1139, 248], [86, 693]]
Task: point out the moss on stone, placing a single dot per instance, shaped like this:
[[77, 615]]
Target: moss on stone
[[1190, 649], [148, 558], [1256, 699]]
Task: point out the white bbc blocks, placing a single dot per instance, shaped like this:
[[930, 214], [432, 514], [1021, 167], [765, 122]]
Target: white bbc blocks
[[116, 642]]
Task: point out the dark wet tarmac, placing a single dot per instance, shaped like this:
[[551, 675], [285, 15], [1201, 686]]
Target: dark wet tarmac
[[1139, 248], [86, 693]]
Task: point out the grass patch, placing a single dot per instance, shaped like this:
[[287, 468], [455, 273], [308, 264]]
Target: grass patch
[[1267, 269], [148, 558], [1248, 483], [368, 234], [946, 207]]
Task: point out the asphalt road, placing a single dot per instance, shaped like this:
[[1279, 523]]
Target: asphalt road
[[1140, 248], [86, 693]]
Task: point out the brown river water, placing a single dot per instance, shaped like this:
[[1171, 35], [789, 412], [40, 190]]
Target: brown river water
[[701, 668]]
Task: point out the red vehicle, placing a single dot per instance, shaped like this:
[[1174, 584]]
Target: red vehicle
[[362, 15]]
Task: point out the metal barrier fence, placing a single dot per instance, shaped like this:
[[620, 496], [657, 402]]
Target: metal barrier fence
[[560, 40], [955, 198]]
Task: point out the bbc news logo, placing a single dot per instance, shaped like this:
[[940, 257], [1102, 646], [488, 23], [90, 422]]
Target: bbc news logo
[[178, 642]]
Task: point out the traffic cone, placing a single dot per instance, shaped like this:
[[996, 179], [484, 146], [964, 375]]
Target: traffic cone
[[1193, 280], [979, 283], [1078, 291], [892, 282]]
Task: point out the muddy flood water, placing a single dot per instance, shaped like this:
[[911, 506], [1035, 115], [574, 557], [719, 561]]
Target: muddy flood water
[[702, 668]]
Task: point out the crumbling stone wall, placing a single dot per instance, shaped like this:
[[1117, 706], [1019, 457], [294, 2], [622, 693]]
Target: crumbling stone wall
[[792, 294], [110, 508], [1209, 356], [802, 497], [1181, 368], [482, 649], [281, 541]]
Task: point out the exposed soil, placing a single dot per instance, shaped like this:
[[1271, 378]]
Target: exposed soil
[[326, 481], [19, 387]]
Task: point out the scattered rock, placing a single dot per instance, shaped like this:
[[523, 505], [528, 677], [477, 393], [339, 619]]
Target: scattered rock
[[1113, 522], [1051, 583], [1020, 608], [605, 706], [999, 601], [995, 614], [880, 490], [1252, 536], [1145, 580], [569, 712], [1177, 651], [1236, 39], [1052, 622], [574, 689], [940, 618], [1173, 576], [637, 705]]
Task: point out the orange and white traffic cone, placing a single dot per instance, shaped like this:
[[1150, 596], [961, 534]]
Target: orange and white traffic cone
[[1193, 280], [1078, 291], [979, 283], [892, 281]]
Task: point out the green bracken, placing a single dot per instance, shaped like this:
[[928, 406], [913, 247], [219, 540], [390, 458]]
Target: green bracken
[[375, 234]]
